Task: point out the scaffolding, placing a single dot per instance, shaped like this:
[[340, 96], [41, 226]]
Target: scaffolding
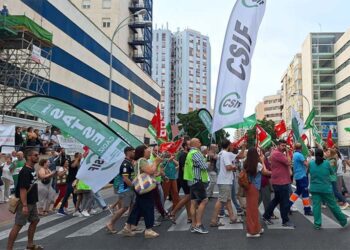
[[25, 62]]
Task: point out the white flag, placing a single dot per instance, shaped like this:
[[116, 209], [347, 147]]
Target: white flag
[[95, 172], [300, 123], [235, 66], [7, 137]]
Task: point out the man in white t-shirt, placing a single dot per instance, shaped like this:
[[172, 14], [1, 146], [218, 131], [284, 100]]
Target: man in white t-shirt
[[224, 182]]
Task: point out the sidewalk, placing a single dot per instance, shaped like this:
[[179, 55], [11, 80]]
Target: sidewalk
[[5, 215]]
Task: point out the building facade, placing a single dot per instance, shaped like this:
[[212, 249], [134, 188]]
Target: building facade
[[319, 80], [134, 35], [80, 66], [259, 111], [291, 90], [189, 72], [272, 107]]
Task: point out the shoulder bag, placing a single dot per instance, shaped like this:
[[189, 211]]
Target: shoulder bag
[[14, 201], [143, 183]]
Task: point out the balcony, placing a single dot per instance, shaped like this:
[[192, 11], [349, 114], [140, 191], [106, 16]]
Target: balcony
[[137, 41], [136, 7], [140, 24]]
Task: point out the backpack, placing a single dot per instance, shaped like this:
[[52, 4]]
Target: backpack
[[243, 179]]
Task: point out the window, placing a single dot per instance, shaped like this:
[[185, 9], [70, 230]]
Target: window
[[86, 4], [106, 22], [106, 4]]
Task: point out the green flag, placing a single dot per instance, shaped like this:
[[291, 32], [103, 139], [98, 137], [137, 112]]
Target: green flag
[[347, 129], [248, 123], [296, 121], [309, 123], [169, 132], [317, 135], [125, 134], [78, 123], [206, 118]]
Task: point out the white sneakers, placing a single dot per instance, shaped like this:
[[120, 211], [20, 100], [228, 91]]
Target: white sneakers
[[345, 206], [255, 235], [85, 213], [293, 208], [77, 214]]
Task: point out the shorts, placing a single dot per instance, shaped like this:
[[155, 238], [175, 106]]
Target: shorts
[[198, 192], [184, 185], [225, 191], [127, 198], [21, 219]]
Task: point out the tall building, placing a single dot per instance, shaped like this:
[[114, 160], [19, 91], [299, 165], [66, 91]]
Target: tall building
[[134, 35], [79, 69], [259, 111], [272, 107], [189, 75], [291, 90], [319, 79]]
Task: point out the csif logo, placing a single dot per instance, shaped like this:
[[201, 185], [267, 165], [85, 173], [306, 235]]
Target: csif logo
[[96, 163], [229, 104], [252, 3]]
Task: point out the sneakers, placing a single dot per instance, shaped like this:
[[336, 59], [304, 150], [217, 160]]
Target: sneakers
[[262, 231], [267, 221], [345, 206], [201, 229], [61, 212], [323, 206], [240, 212], [85, 213], [157, 223], [94, 211], [77, 214], [150, 234], [288, 224], [128, 233], [293, 208], [253, 235], [192, 230]]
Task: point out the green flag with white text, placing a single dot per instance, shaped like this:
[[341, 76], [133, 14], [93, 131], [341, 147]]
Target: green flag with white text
[[169, 132], [310, 121], [296, 125], [78, 123]]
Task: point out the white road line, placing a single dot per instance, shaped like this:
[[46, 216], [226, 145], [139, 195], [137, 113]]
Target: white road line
[[91, 228], [4, 234], [346, 212], [326, 221], [54, 229], [229, 226], [181, 223]]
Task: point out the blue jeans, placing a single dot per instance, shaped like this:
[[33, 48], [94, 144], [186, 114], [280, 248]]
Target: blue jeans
[[282, 198], [70, 190], [144, 206], [233, 197]]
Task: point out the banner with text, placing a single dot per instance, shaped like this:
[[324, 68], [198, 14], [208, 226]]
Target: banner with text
[[7, 137], [70, 144], [235, 66]]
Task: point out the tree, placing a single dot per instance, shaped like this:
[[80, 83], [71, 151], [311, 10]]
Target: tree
[[268, 126], [194, 127]]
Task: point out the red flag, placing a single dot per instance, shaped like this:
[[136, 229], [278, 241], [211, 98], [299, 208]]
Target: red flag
[[280, 128], [263, 138], [171, 147], [304, 137], [290, 140], [239, 143], [330, 142], [157, 127]]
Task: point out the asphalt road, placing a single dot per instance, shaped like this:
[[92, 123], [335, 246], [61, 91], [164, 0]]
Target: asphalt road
[[57, 232]]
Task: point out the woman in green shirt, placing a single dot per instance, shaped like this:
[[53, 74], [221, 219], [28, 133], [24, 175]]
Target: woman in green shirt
[[321, 190]]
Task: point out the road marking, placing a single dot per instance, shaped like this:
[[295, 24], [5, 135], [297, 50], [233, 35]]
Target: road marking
[[277, 223], [43, 221], [54, 229], [181, 223], [346, 212], [326, 221], [91, 228]]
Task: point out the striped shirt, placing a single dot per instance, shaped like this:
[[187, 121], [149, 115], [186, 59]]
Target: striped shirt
[[198, 164]]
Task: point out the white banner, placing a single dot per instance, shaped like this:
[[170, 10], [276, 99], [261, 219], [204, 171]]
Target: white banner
[[95, 172], [235, 66], [36, 54], [70, 144], [7, 137]]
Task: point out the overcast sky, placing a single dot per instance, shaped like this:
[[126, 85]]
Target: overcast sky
[[284, 28]]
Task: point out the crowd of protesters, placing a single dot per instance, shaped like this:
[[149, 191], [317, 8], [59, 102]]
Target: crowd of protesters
[[187, 178]]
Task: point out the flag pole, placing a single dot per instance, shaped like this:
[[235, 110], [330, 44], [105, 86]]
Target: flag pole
[[129, 110]]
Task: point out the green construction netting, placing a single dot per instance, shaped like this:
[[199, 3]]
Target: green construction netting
[[13, 23]]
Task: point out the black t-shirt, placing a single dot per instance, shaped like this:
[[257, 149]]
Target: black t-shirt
[[72, 173], [127, 170], [26, 178], [182, 160]]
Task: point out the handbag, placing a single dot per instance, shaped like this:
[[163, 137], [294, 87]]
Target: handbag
[[243, 179], [14, 201], [143, 183]]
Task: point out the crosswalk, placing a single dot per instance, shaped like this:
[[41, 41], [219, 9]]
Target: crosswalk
[[88, 226]]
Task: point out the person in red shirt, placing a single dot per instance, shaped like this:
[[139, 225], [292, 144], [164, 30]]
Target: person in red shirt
[[280, 180]]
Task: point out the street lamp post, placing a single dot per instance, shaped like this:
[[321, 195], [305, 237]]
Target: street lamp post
[[308, 104], [120, 25]]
